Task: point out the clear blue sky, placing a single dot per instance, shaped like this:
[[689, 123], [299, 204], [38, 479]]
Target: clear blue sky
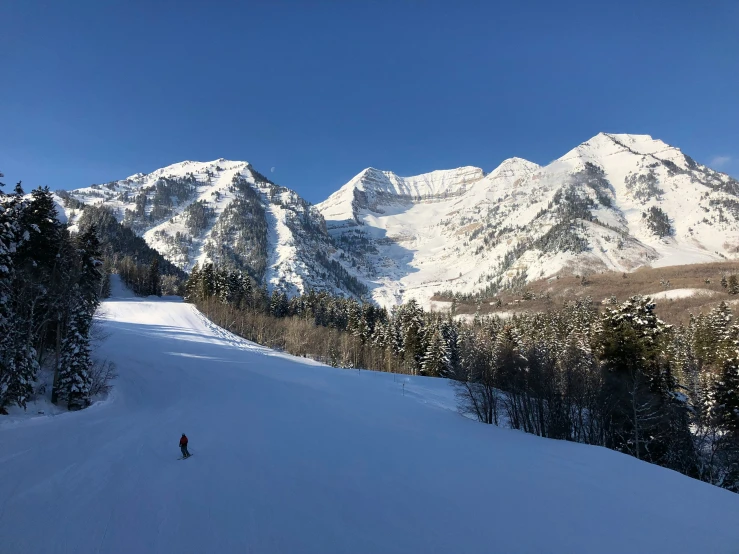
[[93, 91]]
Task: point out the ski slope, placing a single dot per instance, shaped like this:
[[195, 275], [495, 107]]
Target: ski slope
[[291, 456]]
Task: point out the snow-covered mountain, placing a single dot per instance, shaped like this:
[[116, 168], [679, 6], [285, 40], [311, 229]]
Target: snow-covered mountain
[[615, 202], [226, 212]]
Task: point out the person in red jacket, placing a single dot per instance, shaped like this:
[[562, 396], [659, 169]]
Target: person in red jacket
[[183, 446]]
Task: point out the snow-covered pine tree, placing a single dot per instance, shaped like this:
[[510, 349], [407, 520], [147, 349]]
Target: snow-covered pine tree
[[221, 288], [278, 304], [727, 397], [207, 282], [435, 360], [90, 270], [18, 363], [73, 385], [193, 286], [9, 229], [726, 410], [234, 288], [638, 379], [248, 290], [450, 333], [370, 318], [410, 321], [75, 363]]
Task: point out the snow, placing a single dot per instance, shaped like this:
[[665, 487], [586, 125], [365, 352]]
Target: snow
[[61, 212], [675, 294], [456, 230], [283, 261], [442, 242], [293, 456], [217, 194]]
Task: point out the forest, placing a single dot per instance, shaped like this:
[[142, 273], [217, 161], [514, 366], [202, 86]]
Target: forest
[[51, 283], [620, 378], [141, 267]]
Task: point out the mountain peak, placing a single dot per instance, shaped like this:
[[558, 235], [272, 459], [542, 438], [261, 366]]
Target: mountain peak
[[444, 181], [604, 145], [514, 166], [181, 169]]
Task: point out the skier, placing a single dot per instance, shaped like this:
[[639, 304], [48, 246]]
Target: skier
[[183, 446]]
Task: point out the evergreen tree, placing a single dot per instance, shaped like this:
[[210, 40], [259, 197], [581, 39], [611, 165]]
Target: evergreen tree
[[234, 288], [18, 364], [733, 287], [636, 381], [248, 291], [435, 361], [154, 278], [91, 267], [193, 285], [207, 281], [450, 334], [727, 397], [74, 381], [50, 285]]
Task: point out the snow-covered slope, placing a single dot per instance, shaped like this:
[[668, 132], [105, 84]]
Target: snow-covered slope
[[616, 202], [372, 188], [290, 456]]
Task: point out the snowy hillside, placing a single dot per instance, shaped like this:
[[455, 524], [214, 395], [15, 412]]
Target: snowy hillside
[[290, 456], [616, 202]]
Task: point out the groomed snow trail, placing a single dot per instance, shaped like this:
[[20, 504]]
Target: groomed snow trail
[[291, 457]]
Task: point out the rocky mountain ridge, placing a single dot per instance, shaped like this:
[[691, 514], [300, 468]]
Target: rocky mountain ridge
[[615, 202]]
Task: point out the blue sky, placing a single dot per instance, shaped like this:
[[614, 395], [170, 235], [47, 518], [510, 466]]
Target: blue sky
[[95, 91]]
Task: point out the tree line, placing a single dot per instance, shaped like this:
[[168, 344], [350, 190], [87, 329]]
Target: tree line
[[622, 379], [51, 283], [142, 269]]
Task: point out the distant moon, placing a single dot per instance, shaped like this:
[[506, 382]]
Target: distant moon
[[272, 169]]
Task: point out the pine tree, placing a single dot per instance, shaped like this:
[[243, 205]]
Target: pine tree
[[75, 362], [193, 285], [44, 233], [233, 288], [248, 291], [450, 334], [410, 322], [207, 282], [8, 236], [727, 397], [278, 304], [733, 287], [18, 363], [18, 366], [91, 266], [637, 380], [435, 361], [221, 284], [154, 287]]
